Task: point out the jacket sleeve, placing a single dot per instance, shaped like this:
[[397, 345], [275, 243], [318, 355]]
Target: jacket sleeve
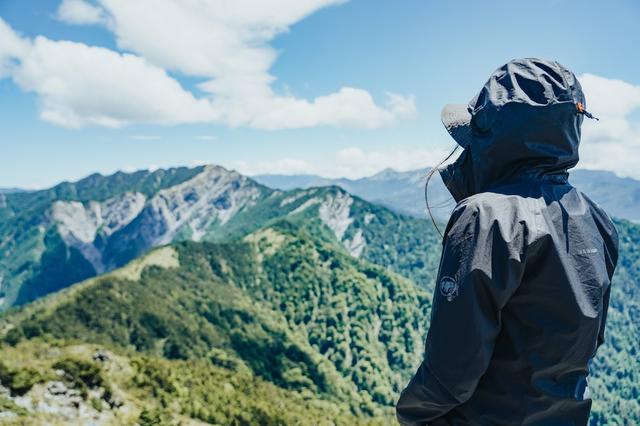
[[481, 266]]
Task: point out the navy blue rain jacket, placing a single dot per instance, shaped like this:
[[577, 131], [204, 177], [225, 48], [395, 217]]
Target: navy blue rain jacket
[[523, 287]]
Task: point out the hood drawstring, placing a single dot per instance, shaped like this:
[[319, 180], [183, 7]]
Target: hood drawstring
[[582, 110]]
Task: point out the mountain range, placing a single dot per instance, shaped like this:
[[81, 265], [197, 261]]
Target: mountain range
[[404, 192], [201, 295]]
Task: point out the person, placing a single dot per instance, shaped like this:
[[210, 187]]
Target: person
[[522, 291]]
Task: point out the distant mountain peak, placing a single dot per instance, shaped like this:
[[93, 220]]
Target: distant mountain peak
[[384, 174]]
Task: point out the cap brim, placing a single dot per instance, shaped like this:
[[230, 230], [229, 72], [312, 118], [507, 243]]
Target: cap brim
[[457, 120]]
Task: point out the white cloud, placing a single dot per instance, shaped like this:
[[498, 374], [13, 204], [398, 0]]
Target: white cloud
[[613, 143], [206, 138], [348, 107], [80, 12], [350, 162], [224, 42], [79, 85], [11, 47]]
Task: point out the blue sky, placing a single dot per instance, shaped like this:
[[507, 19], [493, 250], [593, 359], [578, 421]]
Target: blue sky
[[262, 89]]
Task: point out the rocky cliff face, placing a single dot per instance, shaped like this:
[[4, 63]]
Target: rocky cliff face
[[80, 224], [192, 210], [214, 195]]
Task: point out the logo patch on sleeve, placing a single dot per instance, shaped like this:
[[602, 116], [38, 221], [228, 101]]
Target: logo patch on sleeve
[[449, 288]]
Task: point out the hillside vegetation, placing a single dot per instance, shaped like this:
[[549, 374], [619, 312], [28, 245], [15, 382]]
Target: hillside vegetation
[[290, 308], [57, 382]]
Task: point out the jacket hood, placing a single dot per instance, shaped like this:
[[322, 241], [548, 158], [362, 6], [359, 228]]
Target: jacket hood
[[524, 123]]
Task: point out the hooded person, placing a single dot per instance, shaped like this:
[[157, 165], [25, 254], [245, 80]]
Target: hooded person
[[520, 302]]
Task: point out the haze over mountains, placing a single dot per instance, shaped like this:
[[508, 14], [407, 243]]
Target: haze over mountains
[[404, 191], [9, 190], [203, 295]]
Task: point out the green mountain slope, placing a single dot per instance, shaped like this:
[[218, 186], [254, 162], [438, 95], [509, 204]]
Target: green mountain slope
[[616, 368], [55, 382], [295, 309], [408, 245]]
